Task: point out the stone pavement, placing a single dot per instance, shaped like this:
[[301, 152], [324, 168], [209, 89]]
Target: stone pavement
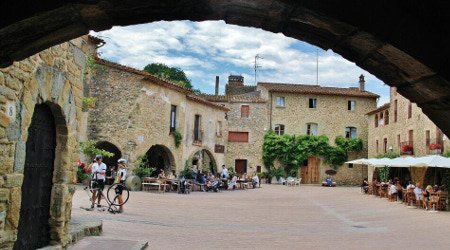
[[271, 217]]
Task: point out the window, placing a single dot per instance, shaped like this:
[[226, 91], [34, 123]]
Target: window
[[376, 120], [386, 117], [197, 128], [351, 105], [384, 145], [219, 128], [279, 129], [409, 109], [173, 118], [399, 143], [350, 132], [245, 111], [312, 103], [280, 101], [237, 136], [312, 129], [395, 110], [376, 145], [427, 137], [381, 121], [411, 136]]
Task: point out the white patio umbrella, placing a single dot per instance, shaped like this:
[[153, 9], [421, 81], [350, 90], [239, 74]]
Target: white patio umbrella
[[432, 161]]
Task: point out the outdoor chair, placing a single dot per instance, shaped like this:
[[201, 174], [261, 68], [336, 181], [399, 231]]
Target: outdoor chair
[[297, 181], [442, 203], [290, 181], [282, 181]]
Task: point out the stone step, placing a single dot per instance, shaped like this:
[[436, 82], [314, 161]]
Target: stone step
[[103, 243]]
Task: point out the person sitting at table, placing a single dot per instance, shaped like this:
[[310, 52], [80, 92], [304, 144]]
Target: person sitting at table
[[418, 192], [410, 185], [233, 182], [212, 184], [436, 188], [392, 193], [365, 186], [194, 172], [161, 174], [329, 182], [427, 195], [255, 180]]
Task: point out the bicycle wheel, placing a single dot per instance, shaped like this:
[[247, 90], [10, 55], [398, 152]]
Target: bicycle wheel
[[113, 194]]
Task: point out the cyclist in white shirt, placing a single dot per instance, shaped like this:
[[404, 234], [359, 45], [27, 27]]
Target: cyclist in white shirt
[[98, 178], [122, 176]]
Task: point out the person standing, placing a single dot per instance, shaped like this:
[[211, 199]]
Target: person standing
[[224, 174], [98, 178], [122, 176]]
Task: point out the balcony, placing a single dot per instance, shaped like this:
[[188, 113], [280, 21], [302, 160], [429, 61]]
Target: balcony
[[407, 148], [434, 147]]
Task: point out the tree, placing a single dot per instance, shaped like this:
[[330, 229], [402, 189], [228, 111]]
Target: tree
[[173, 74]]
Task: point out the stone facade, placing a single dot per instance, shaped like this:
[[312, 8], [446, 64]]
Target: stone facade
[[53, 77], [133, 112], [330, 116], [388, 133], [254, 122]]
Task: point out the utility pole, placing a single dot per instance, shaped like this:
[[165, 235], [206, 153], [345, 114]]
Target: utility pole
[[256, 66], [317, 67]]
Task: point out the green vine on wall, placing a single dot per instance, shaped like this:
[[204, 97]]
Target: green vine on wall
[[178, 137], [292, 150], [89, 148]]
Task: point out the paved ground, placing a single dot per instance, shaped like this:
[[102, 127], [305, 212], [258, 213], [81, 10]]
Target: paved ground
[[272, 217]]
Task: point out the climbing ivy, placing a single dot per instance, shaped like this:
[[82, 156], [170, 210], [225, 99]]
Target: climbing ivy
[[89, 148], [390, 155], [292, 150], [177, 136]]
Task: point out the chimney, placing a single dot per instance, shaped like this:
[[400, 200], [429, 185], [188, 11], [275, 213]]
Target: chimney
[[361, 83], [217, 85]]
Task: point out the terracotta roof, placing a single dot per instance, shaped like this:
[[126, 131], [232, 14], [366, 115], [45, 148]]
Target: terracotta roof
[[155, 80], [383, 107], [203, 101], [315, 89], [147, 76], [252, 97]]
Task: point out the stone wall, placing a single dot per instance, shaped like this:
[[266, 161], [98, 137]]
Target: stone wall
[[133, 113], [256, 124], [332, 118], [55, 77]]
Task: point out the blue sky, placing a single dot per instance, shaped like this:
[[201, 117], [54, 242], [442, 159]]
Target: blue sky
[[206, 49]]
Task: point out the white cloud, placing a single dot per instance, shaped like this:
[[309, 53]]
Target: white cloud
[[206, 49]]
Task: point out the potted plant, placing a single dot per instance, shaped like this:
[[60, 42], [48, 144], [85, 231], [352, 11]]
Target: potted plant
[[435, 147]]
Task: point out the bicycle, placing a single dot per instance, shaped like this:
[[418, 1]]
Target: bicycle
[[112, 197]]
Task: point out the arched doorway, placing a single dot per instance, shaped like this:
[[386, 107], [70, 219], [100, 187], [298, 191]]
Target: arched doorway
[[204, 160], [34, 229], [111, 162], [160, 157]]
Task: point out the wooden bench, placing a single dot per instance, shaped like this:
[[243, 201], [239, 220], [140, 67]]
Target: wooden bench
[[149, 182]]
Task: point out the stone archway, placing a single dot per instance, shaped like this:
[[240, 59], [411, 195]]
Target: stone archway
[[405, 45], [111, 162], [160, 157], [204, 160]]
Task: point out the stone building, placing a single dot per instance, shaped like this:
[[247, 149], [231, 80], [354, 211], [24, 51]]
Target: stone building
[[402, 128], [315, 110], [136, 114], [294, 109], [247, 124], [40, 103]]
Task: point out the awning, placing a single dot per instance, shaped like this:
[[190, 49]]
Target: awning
[[409, 161]]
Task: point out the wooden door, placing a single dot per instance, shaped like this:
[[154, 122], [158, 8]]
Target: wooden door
[[310, 174], [240, 166]]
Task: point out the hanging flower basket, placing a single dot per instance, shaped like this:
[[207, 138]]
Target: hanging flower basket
[[434, 146], [407, 149]]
